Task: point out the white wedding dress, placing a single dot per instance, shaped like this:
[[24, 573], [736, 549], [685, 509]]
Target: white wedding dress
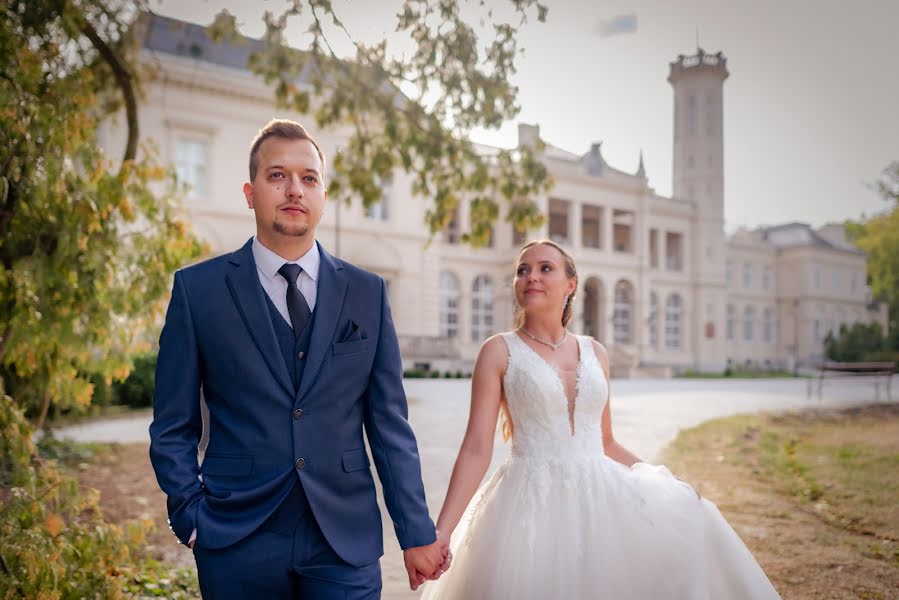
[[560, 520]]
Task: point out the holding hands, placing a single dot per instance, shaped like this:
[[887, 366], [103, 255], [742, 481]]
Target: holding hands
[[427, 562]]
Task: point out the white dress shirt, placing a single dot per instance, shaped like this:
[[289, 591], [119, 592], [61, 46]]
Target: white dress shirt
[[274, 284]]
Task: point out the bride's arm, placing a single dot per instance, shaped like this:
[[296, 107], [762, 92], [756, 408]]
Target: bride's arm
[[476, 451], [612, 448]]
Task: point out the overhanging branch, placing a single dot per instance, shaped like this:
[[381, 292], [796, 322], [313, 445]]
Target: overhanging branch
[[126, 84]]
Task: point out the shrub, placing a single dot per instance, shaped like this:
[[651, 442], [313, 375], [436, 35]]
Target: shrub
[[54, 542], [137, 390]]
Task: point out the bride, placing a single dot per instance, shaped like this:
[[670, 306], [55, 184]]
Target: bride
[[571, 513]]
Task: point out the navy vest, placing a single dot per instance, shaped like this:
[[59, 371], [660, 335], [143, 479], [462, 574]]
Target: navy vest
[[294, 350]]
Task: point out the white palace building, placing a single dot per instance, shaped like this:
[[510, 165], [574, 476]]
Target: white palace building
[[661, 285]]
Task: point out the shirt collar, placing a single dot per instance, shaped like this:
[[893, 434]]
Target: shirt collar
[[269, 262]]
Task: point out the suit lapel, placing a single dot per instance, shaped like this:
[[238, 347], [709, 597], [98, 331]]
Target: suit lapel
[[243, 281], [332, 285]]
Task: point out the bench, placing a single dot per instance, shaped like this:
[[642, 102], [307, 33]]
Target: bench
[[880, 372]]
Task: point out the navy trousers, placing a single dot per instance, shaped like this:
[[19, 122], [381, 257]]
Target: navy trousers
[[287, 558]]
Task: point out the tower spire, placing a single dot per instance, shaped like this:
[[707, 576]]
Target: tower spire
[[641, 171]]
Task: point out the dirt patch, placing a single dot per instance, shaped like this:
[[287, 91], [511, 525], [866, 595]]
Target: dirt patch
[[813, 494], [128, 491]]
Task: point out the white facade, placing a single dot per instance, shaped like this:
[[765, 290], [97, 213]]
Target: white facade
[[657, 275]]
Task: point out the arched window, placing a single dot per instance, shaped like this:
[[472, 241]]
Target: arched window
[[674, 307], [621, 315], [449, 305], [654, 320], [748, 323], [731, 322], [768, 325], [481, 308]]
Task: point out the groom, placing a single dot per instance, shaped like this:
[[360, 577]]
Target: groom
[[295, 354]]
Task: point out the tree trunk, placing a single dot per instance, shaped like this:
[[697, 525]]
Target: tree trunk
[[42, 418]]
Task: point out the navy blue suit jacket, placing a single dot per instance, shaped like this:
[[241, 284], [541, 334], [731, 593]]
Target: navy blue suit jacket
[[218, 336]]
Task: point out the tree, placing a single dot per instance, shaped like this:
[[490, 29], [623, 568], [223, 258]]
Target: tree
[[412, 112], [87, 244], [879, 237]]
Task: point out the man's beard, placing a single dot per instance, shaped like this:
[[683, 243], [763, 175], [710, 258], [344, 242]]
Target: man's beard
[[291, 229]]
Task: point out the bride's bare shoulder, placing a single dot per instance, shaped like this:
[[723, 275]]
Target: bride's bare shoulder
[[601, 354], [494, 352]]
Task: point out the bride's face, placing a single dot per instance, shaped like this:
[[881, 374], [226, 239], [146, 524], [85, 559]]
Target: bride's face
[[541, 282]]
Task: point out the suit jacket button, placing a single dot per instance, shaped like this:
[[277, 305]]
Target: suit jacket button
[[301, 462], [297, 414], [301, 355]]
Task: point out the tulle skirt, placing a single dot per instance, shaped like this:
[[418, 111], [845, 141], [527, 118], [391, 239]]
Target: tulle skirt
[[588, 527]]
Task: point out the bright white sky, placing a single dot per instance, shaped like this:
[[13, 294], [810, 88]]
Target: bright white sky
[[811, 108]]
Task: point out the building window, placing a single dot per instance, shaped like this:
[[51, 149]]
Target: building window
[[451, 230], [378, 211], [816, 331], [449, 305], [654, 320], [731, 322], [835, 280], [518, 237], [623, 310], [623, 231], [190, 166], [673, 316], [729, 273], [768, 326], [817, 278], [654, 248], [592, 308], [766, 278], [591, 224], [709, 115], [674, 251], [748, 323], [854, 281], [558, 220], [481, 308], [747, 275]]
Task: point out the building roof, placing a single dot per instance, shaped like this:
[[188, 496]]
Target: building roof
[[189, 40], [791, 235]]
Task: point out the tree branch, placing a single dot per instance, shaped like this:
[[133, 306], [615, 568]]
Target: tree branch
[[125, 82], [5, 339]]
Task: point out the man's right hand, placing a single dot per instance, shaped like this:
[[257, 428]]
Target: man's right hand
[[423, 561]]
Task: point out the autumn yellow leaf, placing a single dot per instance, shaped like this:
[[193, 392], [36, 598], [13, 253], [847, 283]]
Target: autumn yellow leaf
[[54, 524]]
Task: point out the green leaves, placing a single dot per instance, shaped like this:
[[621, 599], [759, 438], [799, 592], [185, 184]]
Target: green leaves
[[87, 246], [458, 74], [54, 542], [879, 237]]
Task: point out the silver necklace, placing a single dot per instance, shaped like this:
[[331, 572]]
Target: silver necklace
[[544, 342]]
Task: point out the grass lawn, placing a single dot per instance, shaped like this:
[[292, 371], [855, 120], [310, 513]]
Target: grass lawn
[[815, 495]]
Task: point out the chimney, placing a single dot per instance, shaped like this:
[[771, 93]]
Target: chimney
[[528, 135]]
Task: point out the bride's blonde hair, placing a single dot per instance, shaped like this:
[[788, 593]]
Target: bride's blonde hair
[[506, 425]]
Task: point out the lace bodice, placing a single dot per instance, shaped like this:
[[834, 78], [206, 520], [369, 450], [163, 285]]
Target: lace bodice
[[544, 424]]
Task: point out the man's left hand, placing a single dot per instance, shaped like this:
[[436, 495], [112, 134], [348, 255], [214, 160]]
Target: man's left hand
[[423, 562]]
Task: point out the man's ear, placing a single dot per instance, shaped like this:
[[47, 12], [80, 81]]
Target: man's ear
[[248, 193]]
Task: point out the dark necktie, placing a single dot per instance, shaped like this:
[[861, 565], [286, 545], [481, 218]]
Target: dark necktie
[[296, 304]]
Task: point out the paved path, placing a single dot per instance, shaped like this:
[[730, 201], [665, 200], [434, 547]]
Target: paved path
[[646, 414]]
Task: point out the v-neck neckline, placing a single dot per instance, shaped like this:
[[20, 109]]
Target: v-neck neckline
[[570, 402]]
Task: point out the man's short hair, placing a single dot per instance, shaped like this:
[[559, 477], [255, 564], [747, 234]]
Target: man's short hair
[[285, 129]]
